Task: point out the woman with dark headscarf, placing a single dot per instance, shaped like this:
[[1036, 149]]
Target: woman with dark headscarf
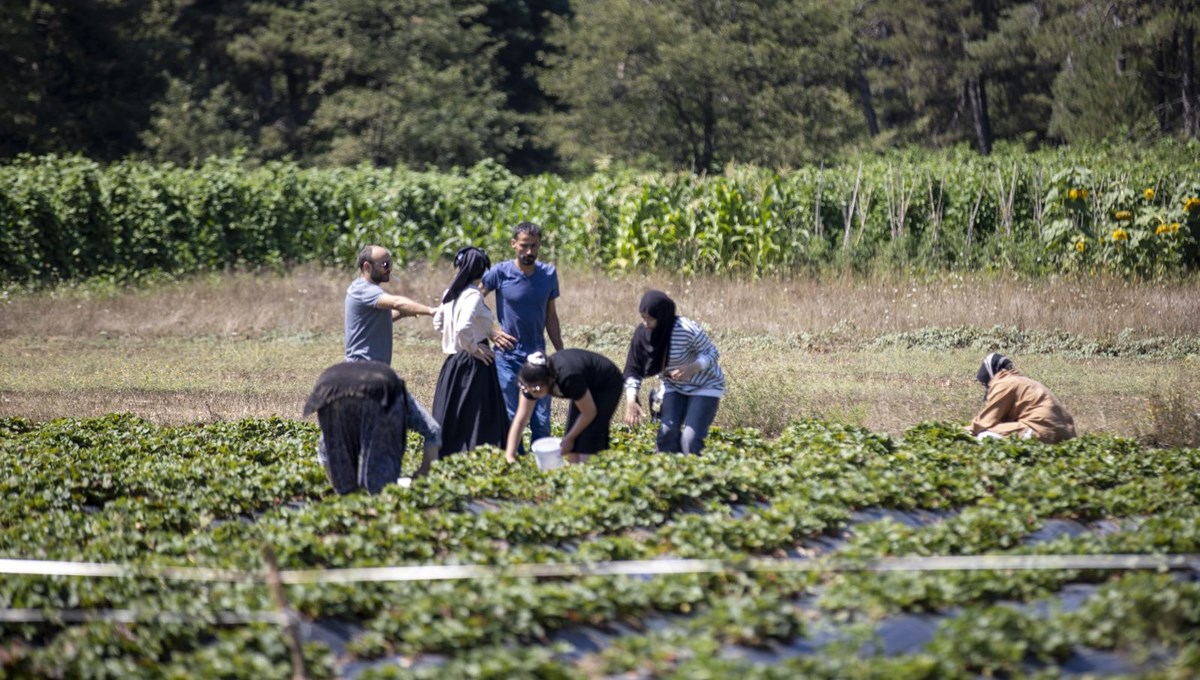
[[677, 348], [365, 413], [1017, 406], [468, 402]]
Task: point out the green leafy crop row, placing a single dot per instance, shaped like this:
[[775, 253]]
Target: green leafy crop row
[[214, 495], [70, 218]]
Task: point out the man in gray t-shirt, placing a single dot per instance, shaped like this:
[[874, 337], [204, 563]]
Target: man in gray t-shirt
[[370, 311]]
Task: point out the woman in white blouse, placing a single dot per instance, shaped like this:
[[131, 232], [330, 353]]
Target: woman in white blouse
[[468, 403]]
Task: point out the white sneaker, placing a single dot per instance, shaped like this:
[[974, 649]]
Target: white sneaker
[[404, 482]]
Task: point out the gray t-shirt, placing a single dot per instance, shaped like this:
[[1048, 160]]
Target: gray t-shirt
[[368, 328]]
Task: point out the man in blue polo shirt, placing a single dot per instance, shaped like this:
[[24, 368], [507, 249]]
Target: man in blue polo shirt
[[525, 293]]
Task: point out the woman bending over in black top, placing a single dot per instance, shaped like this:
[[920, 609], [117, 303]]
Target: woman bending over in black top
[[589, 380]]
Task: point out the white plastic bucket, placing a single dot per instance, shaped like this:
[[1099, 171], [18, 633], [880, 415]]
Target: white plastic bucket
[[548, 452]]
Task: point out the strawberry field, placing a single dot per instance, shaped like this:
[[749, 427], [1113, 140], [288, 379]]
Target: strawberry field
[[793, 526]]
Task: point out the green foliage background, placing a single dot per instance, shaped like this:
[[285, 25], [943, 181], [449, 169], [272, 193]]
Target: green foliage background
[[554, 85], [1134, 213]]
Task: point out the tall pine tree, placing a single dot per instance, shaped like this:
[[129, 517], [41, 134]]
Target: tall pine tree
[[680, 83]]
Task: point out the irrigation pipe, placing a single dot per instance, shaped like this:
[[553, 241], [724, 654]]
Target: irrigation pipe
[[136, 616], [287, 618], [654, 567]]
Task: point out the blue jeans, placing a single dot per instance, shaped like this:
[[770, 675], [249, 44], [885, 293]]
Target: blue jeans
[[507, 367], [685, 422]]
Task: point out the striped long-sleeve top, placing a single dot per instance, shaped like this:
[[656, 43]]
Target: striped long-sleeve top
[[689, 343]]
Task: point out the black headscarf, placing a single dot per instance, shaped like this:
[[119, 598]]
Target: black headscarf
[[648, 350], [372, 380], [472, 263], [992, 364]]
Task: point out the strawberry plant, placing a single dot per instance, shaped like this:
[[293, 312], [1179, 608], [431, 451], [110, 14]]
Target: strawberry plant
[[120, 489]]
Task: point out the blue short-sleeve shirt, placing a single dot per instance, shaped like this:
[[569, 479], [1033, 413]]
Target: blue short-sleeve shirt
[[521, 302]]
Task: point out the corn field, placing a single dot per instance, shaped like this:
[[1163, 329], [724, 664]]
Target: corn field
[[69, 218]]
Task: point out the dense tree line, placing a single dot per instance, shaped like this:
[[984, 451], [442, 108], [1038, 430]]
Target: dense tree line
[[545, 85]]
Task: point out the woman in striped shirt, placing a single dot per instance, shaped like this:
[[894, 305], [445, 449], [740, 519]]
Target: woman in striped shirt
[[678, 349]]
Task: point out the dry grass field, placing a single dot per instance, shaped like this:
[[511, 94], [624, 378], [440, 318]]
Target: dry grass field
[[235, 345]]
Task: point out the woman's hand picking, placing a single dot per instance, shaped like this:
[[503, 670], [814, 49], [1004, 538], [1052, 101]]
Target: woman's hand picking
[[633, 414]]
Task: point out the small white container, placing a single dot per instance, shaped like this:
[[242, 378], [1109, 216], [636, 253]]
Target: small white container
[[548, 452]]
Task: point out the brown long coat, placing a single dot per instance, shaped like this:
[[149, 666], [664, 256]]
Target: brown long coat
[[1016, 403]]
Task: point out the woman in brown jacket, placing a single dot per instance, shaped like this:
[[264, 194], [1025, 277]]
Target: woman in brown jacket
[[1016, 405]]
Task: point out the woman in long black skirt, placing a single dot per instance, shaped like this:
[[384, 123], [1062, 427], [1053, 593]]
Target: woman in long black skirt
[[468, 403]]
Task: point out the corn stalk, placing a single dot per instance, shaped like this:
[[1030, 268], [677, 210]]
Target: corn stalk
[[818, 224], [1007, 200], [898, 194], [937, 207], [849, 209], [974, 215]]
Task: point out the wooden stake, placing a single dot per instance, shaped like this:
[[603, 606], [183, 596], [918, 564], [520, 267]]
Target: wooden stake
[[281, 603]]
